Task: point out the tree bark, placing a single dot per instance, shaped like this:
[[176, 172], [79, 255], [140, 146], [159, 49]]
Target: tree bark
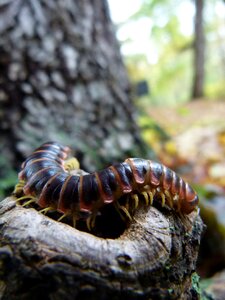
[[154, 258], [199, 51], [62, 78]]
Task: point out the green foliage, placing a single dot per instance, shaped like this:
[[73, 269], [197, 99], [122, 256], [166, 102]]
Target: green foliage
[[155, 9], [170, 77], [8, 178]]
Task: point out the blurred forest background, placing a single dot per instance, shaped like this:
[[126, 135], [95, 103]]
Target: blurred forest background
[[62, 77], [174, 46]]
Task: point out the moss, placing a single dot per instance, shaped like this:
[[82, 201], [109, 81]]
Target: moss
[[198, 288], [195, 278], [8, 177], [170, 291]]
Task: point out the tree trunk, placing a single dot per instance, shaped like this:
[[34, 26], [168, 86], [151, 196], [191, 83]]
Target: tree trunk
[[153, 258], [62, 78], [199, 51]]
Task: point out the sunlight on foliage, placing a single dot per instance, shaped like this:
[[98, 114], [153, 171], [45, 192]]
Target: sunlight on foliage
[[170, 76], [8, 178]]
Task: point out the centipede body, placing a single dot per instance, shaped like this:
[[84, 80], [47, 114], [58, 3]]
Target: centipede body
[[45, 177]]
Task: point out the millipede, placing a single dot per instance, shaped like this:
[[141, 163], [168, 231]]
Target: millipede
[[45, 179]]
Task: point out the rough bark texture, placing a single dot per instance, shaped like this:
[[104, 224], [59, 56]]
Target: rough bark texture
[[199, 51], [154, 258], [62, 78]]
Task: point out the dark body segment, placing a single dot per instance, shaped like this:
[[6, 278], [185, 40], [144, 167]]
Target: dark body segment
[[54, 147], [182, 191], [88, 192], [167, 178], [38, 155], [37, 165], [51, 150], [175, 187], [156, 173], [124, 181], [68, 194], [39, 178], [139, 169], [107, 184], [51, 191]]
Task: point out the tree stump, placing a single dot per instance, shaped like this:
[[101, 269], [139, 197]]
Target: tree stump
[[153, 258]]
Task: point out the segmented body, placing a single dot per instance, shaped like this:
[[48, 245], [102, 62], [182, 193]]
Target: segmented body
[[53, 186]]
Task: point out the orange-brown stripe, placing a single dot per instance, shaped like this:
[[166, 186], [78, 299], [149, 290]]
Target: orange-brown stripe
[[138, 179], [60, 201], [152, 178], [124, 188], [83, 206], [26, 187], [42, 201], [106, 198]]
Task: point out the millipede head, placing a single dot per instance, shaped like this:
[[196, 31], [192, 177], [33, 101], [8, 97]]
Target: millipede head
[[187, 206]]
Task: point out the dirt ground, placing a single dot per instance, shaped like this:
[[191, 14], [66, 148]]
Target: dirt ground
[[196, 113]]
